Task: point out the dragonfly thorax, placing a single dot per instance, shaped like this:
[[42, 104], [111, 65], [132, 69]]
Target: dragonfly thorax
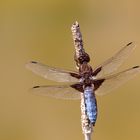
[[86, 82], [85, 72]]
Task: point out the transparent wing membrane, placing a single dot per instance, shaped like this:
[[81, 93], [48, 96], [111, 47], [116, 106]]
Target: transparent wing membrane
[[71, 91], [114, 81], [112, 64], [103, 79], [60, 92], [51, 73]]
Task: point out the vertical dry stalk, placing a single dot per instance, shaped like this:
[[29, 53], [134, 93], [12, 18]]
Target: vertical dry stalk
[[87, 127], [77, 37]]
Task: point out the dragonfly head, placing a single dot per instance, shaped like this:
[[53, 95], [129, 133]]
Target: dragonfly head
[[83, 58]]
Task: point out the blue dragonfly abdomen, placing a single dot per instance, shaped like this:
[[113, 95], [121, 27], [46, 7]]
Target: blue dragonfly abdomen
[[91, 105]]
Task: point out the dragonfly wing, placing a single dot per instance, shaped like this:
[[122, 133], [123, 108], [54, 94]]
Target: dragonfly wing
[[109, 83], [51, 73], [60, 92], [112, 64]]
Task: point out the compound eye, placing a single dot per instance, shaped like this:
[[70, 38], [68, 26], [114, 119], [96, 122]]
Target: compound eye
[[84, 58]]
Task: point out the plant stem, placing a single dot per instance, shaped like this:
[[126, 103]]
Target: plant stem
[[87, 127]]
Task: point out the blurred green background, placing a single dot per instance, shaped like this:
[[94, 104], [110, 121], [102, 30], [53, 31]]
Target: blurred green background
[[40, 30]]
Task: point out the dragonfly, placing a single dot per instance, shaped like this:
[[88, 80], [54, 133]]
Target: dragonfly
[[91, 82]]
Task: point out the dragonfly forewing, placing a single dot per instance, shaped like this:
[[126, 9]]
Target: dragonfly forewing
[[113, 63], [51, 73]]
